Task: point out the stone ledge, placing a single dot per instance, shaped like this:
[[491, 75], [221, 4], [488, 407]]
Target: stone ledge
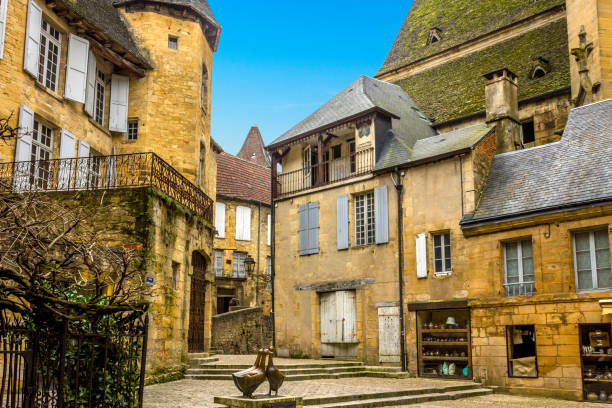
[[261, 401]]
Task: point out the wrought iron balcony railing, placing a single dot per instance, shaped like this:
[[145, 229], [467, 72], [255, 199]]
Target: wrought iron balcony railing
[[520, 289], [328, 172], [103, 173]]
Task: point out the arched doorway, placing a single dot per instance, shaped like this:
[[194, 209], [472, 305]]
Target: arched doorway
[[195, 341]]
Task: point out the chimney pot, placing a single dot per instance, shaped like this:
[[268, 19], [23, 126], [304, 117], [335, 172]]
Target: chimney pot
[[501, 95]]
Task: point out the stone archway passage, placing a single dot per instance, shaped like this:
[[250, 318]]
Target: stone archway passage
[[196, 305]]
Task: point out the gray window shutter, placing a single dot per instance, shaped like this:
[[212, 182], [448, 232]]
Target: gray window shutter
[[303, 229], [3, 4], [313, 228], [120, 89], [76, 69], [32, 40], [90, 90], [381, 207], [342, 222]]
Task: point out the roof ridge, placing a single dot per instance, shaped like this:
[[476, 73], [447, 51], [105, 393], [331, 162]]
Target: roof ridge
[[244, 160], [529, 149]]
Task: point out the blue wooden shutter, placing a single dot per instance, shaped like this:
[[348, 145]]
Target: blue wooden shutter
[[342, 222], [313, 228], [381, 207], [303, 229]]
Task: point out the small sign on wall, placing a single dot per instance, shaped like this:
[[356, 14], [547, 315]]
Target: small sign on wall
[[149, 281]]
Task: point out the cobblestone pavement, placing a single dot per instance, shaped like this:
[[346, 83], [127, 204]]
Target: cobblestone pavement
[[200, 394]]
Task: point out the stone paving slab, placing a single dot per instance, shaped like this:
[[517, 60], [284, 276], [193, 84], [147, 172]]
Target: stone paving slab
[[504, 401]]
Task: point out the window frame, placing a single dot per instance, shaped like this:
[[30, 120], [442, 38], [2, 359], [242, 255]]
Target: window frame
[[35, 154], [509, 333], [239, 268], [531, 122], [46, 37], [593, 259], [442, 235], [217, 254], [173, 42], [100, 97], [520, 271], [369, 219], [132, 132]]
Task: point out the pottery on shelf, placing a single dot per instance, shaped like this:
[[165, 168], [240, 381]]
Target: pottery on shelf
[[591, 396]]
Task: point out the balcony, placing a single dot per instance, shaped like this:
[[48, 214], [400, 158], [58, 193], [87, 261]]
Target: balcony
[[105, 173], [326, 173]]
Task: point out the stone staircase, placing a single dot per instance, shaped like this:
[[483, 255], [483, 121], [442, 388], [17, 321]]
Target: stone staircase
[[204, 368], [398, 398]]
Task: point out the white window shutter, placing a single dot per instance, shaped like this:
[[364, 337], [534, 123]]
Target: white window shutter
[[82, 165], [269, 229], [120, 89], [3, 8], [421, 255], [381, 209], [239, 222], [76, 69], [342, 227], [313, 225], [32, 40], [23, 149], [247, 224], [67, 147], [220, 219], [90, 89]]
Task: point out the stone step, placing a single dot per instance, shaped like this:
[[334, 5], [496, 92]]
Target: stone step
[[197, 355], [405, 400], [291, 371], [304, 377], [389, 394], [198, 361], [287, 366]]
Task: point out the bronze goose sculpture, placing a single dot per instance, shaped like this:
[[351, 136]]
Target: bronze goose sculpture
[[274, 375], [248, 380]]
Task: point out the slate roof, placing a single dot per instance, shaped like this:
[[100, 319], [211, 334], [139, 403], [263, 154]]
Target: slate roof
[[253, 148], [106, 18], [457, 88], [363, 95], [458, 21], [575, 170], [242, 179], [397, 153]]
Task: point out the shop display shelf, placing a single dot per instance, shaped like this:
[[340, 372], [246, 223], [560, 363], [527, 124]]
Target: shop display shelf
[[445, 343], [444, 331], [442, 358]]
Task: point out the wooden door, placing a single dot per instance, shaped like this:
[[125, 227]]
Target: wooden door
[[389, 349], [338, 324], [196, 306]]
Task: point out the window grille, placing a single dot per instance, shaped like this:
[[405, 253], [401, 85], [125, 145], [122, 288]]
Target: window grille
[[365, 224], [49, 56]]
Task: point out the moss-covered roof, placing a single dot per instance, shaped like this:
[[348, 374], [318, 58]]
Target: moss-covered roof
[[457, 88], [457, 21]]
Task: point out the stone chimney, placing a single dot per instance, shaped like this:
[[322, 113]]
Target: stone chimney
[[501, 96]]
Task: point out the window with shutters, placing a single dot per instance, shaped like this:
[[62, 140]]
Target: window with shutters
[[238, 270], [518, 261], [49, 54], [592, 260], [42, 149], [243, 223], [309, 228], [220, 219], [365, 221], [132, 133], [99, 98], [218, 263], [442, 253]]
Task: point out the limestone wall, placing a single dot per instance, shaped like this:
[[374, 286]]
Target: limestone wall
[[242, 331]]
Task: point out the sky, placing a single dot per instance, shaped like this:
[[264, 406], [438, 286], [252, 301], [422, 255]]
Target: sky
[[278, 61]]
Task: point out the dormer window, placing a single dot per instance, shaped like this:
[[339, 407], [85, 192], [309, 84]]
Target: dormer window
[[540, 68], [538, 72], [434, 36]]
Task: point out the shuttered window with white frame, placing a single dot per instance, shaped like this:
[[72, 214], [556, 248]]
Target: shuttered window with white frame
[[76, 69], [120, 89], [220, 219], [243, 223], [3, 11]]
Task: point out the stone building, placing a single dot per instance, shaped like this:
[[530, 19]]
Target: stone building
[[115, 95], [487, 219], [242, 223]]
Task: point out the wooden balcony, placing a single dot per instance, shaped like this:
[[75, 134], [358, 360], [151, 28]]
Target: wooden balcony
[[325, 173]]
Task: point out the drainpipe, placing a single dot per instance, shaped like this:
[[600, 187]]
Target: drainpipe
[[272, 242], [400, 265], [258, 246]]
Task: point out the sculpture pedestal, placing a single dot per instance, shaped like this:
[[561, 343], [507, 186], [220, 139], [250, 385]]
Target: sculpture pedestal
[[260, 401]]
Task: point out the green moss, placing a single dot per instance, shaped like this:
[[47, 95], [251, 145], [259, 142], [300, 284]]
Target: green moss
[[458, 22], [457, 88], [166, 374]]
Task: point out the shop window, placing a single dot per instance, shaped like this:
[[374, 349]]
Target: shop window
[[527, 132], [592, 260], [522, 361], [518, 261], [595, 353], [442, 253]]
